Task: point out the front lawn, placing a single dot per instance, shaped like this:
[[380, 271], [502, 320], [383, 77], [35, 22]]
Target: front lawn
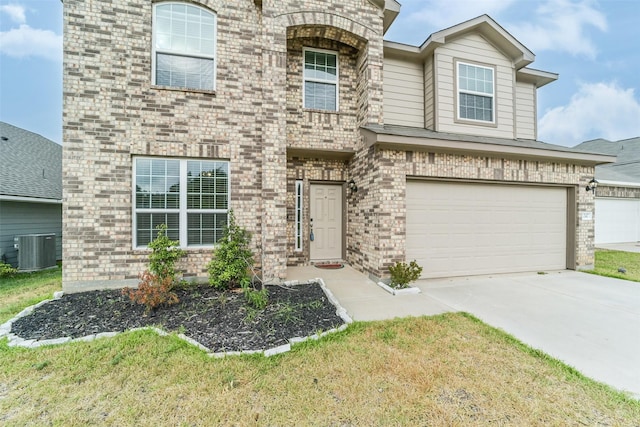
[[25, 289], [608, 262], [445, 370]]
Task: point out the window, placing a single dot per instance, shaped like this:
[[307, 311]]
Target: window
[[475, 92], [190, 196], [320, 80], [298, 215], [184, 46]]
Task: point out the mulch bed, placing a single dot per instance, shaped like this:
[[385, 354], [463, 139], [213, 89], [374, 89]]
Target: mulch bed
[[220, 321]]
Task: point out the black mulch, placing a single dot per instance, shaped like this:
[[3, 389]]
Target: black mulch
[[221, 321]]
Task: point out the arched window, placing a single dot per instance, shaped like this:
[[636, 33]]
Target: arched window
[[184, 46]]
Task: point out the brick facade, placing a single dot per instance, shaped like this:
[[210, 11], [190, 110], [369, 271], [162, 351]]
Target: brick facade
[[255, 120]]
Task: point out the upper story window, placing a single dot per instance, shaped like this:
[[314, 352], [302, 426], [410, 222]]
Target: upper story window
[[184, 46], [320, 79], [476, 93]]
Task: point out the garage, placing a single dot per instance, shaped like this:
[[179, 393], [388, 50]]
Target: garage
[[617, 220], [461, 228]]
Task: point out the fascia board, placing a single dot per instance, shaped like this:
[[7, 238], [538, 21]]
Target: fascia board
[[398, 142]]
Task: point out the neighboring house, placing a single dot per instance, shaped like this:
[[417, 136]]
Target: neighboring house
[[30, 189], [617, 214], [297, 115]]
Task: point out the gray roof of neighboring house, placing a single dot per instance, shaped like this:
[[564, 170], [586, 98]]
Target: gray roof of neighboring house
[[30, 164], [627, 166]]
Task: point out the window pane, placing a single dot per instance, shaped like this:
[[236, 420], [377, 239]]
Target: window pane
[[147, 224], [182, 71], [476, 107], [205, 229], [320, 96]]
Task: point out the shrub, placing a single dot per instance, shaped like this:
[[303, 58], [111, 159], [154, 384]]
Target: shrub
[[152, 291], [6, 270], [403, 274], [232, 258], [164, 254]]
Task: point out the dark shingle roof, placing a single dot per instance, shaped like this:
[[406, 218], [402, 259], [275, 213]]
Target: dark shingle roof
[[627, 166], [30, 164]]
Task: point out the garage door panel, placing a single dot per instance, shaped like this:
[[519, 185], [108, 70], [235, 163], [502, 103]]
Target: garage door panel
[[464, 229], [617, 220]]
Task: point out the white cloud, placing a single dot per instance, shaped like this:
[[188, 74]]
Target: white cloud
[[563, 25], [598, 110], [15, 12], [26, 41], [442, 14]]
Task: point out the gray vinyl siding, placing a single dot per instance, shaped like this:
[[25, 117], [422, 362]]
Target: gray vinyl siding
[[19, 218], [429, 85], [475, 49], [403, 93], [525, 110]]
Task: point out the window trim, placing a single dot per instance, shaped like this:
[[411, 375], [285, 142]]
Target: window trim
[[493, 96], [155, 51], [305, 78], [183, 210]]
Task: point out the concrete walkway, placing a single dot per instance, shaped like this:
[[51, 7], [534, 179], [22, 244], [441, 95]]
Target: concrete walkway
[[363, 299], [589, 322]]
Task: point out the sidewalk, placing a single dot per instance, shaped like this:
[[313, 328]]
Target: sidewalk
[[363, 299]]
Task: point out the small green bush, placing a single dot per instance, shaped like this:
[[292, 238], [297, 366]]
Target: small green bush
[[402, 274], [232, 258], [164, 254], [6, 270]]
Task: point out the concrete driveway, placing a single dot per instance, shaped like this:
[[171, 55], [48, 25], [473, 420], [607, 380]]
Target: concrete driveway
[[589, 322]]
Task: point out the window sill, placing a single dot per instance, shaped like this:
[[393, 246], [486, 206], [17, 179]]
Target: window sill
[[184, 89], [476, 123], [314, 110]]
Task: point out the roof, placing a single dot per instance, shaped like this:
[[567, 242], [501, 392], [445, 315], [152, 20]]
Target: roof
[[486, 26], [412, 138], [30, 164], [626, 168]]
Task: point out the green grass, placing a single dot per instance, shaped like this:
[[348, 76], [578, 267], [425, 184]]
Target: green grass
[[25, 289], [608, 262], [444, 370]]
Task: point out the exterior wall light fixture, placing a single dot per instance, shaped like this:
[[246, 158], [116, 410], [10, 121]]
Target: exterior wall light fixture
[[592, 185], [352, 186]]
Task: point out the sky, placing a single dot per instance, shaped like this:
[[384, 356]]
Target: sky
[[593, 45]]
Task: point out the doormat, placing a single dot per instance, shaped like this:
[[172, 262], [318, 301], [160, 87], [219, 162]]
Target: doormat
[[330, 265]]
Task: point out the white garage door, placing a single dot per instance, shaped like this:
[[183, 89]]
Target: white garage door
[[457, 229], [617, 220]]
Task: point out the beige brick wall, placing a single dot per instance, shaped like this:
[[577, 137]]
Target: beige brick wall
[[113, 113]]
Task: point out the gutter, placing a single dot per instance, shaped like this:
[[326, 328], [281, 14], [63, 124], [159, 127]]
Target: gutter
[[4, 197]]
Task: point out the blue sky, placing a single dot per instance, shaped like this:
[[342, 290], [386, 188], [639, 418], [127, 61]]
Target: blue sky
[[593, 45]]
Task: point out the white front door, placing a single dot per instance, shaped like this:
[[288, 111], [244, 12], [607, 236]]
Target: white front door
[[326, 222]]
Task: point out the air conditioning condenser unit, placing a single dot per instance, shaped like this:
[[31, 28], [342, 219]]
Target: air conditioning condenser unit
[[36, 251]]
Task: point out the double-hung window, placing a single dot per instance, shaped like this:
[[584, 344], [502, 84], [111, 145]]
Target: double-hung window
[[320, 77], [190, 196], [476, 93], [184, 46]]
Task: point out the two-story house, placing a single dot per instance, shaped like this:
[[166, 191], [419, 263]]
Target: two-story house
[[326, 141]]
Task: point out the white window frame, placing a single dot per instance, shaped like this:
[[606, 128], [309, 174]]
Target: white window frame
[[476, 93], [182, 211], [299, 215], [317, 80], [155, 50]]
